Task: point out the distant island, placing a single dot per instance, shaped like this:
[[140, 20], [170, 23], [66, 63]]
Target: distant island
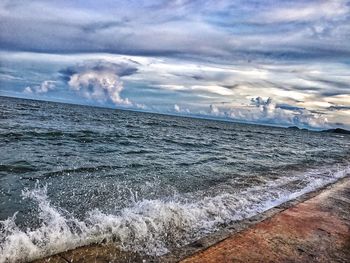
[[335, 130], [297, 128]]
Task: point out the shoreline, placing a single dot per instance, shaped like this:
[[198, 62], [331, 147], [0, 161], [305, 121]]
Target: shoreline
[[314, 230], [214, 244]]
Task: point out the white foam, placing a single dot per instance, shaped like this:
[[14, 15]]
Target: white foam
[[149, 226]]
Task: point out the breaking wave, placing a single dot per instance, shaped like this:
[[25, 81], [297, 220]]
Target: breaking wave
[[149, 226]]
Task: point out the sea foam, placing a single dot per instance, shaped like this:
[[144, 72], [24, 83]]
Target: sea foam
[[148, 226]]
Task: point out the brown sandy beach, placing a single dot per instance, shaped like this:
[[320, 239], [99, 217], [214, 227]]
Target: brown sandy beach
[[312, 228]]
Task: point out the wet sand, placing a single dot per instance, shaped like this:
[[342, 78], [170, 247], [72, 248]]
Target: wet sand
[[96, 254], [312, 228]]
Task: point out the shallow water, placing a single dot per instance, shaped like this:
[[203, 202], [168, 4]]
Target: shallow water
[[74, 175]]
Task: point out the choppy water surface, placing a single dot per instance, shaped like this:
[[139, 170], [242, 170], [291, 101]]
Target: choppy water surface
[[74, 175]]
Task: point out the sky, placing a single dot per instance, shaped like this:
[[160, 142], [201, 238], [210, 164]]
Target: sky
[[284, 63]]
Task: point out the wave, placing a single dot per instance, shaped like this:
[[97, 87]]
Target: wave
[[193, 143], [148, 226], [17, 167]]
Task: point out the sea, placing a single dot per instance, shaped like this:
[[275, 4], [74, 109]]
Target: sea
[[73, 175]]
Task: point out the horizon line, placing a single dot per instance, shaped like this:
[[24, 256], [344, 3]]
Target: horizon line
[[193, 116]]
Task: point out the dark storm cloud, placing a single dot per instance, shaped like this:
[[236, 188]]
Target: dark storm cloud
[[259, 30], [334, 83], [336, 108], [289, 107], [120, 69], [331, 93]]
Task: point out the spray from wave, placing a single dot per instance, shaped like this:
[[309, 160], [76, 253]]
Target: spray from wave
[[148, 226]]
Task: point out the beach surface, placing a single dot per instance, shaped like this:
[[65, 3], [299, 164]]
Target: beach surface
[[312, 228], [316, 230]]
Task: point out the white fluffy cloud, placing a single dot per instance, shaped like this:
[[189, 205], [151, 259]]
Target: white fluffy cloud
[[266, 111], [214, 110], [100, 81], [99, 86], [179, 109], [305, 11], [44, 87]]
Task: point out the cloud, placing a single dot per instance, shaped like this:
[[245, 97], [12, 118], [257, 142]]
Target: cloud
[[224, 30], [120, 69], [214, 110], [28, 90], [339, 108], [100, 81], [213, 89], [99, 86], [258, 101], [44, 87], [307, 89], [306, 11], [179, 109], [265, 111]]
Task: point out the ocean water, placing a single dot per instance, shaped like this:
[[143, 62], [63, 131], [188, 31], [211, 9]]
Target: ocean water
[[75, 175]]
